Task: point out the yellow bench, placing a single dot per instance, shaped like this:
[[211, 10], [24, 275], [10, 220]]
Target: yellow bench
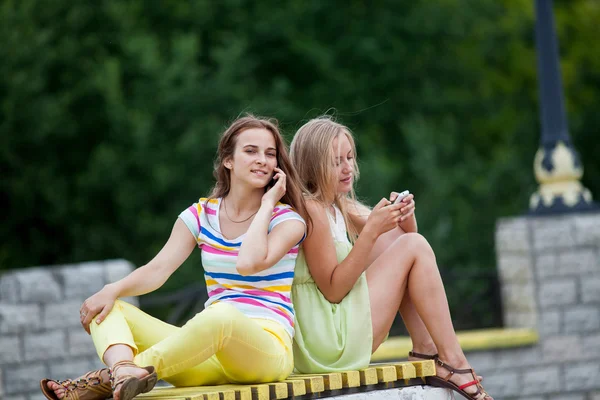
[[382, 376]]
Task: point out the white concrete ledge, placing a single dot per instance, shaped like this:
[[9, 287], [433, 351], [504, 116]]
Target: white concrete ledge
[[408, 393]]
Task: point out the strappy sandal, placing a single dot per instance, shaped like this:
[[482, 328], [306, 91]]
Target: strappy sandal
[[130, 386], [95, 385], [422, 356], [432, 357], [480, 394]]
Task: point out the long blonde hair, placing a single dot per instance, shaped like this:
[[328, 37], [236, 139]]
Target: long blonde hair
[[312, 154], [293, 193]]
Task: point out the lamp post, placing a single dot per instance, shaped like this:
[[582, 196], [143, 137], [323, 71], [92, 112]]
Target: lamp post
[[557, 166]]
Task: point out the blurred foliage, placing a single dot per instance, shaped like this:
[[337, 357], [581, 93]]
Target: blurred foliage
[[110, 111]]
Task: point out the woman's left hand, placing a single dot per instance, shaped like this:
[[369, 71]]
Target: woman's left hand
[[408, 206], [275, 193]]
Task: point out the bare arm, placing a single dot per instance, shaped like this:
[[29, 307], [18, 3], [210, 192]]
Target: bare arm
[[154, 274], [144, 279], [260, 249], [335, 279]]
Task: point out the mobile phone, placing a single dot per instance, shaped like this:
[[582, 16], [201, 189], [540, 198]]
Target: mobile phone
[[401, 196]]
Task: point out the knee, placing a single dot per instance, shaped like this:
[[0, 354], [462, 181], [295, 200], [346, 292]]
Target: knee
[[416, 244]]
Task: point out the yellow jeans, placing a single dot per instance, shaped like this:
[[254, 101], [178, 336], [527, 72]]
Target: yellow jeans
[[219, 345]]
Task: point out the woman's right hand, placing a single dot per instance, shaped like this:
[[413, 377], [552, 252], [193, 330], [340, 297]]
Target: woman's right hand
[[97, 306], [384, 217]]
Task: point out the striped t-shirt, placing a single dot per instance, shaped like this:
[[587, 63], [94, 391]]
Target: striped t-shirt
[[265, 294]]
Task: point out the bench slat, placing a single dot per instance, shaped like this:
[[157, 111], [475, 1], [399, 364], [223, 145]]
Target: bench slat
[[386, 373], [296, 386], [368, 376]]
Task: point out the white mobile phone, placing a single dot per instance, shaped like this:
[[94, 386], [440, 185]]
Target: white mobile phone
[[401, 196]]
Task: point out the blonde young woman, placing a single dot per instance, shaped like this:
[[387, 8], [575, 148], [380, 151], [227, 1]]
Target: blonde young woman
[[385, 268], [249, 242]]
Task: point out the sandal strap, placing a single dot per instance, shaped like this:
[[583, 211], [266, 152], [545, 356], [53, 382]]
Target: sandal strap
[[454, 370], [123, 363], [423, 356], [466, 385]]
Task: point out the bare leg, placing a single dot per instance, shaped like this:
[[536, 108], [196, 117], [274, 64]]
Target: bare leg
[[415, 271], [421, 340]]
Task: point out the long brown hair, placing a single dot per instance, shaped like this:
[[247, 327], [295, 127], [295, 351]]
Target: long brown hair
[[293, 193], [312, 154]]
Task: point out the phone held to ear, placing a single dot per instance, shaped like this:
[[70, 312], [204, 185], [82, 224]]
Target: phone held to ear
[[401, 196]]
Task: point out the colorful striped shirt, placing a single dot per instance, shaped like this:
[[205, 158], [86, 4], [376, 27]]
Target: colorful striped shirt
[[265, 294]]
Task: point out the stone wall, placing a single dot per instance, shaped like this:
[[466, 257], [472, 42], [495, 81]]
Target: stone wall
[[549, 270], [40, 333]]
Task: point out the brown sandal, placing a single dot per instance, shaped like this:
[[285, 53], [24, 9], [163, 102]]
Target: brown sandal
[[131, 386], [480, 394], [95, 385], [432, 357], [422, 356]]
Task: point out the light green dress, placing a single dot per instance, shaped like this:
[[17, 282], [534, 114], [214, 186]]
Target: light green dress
[[331, 337]]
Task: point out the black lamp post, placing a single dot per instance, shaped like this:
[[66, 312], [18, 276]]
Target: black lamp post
[[557, 165]]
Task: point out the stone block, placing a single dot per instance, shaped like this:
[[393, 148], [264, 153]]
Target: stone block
[[15, 318], [484, 362], [38, 285], [594, 395], [94, 363], [9, 288], [82, 280], [567, 397], [502, 385], [587, 229], [117, 269], [71, 369], [590, 289], [582, 376], [582, 319], [515, 268], [35, 396], [549, 323], [518, 298], [520, 320], [62, 315], [546, 265], [24, 378], [591, 346], [552, 233], [508, 359], [10, 349], [45, 346], [512, 236], [80, 343], [541, 380], [556, 292], [578, 262], [562, 348]]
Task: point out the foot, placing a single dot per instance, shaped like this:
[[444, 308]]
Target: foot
[[460, 378], [95, 385], [430, 354], [124, 371], [58, 389]]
